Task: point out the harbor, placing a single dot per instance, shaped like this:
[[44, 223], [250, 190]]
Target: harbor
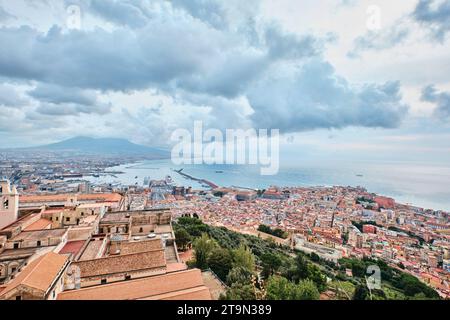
[[203, 182]]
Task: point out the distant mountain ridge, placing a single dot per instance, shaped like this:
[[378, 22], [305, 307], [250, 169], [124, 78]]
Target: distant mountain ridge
[[106, 146]]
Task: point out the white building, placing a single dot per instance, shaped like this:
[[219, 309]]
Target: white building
[[9, 203]]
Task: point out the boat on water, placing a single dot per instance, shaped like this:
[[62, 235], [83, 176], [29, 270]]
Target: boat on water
[[219, 171], [359, 175]]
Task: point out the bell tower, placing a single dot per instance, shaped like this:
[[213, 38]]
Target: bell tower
[[9, 203]]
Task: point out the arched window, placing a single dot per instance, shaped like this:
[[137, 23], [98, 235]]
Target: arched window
[[6, 204]]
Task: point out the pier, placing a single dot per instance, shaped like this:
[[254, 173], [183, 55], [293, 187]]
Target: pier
[[202, 181]]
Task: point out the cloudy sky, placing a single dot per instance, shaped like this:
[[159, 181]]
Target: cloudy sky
[[338, 78]]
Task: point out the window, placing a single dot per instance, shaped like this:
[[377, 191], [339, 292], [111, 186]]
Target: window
[[141, 230], [82, 214], [57, 219], [103, 281], [68, 219], [1, 189], [127, 277], [16, 245], [6, 204], [39, 243], [18, 297]]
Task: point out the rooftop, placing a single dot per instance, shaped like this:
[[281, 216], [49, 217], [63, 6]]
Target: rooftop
[[39, 234], [73, 247], [116, 217], [122, 263], [104, 197], [183, 285], [130, 247], [39, 225], [39, 274]]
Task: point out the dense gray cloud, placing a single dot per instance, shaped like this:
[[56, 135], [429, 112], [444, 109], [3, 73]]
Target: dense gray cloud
[[379, 40], [435, 15], [56, 100], [4, 15], [441, 100], [183, 53], [289, 46], [207, 53], [315, 97], [117, 60], [55, 94], [9, 97], [70, 109], [212, 12], [125, 13]]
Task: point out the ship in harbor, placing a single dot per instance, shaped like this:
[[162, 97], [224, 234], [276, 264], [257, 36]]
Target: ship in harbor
[[169, 180]]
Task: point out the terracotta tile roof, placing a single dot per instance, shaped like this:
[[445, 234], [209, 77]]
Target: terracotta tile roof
[[40, 273], [186, 285], [123, 263], [103, 197], [198, 293], [39, 234], [139, 246], [115, 217], [176, 266], [73, 247], [38, 225]]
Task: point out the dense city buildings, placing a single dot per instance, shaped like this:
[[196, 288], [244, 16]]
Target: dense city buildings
[[117, 242], [89, 246]]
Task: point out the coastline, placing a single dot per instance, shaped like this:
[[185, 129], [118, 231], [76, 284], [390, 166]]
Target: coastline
[[303, 177]]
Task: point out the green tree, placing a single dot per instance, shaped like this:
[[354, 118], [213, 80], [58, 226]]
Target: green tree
[[239, 275], [315, 275], [315, 257], [220, 261], [240, 291], [182, 238], [195, 227], [203, 247], [280, 288], [307, 290], [301, 265], [271, 263], [358, 269], [361, 292], [243, 257]]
